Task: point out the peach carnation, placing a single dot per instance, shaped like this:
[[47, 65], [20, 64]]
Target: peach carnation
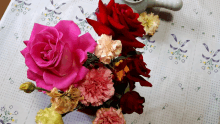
[[97, 87], [109, 116], [107, 49]]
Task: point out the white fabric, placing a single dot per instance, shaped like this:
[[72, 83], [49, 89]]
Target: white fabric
[[185, 90]]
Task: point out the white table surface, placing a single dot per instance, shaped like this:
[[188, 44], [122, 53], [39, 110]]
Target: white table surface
[[185, 90]]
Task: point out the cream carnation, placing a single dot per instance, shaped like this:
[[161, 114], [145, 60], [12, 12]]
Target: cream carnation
[[107, 49], [97, 87]]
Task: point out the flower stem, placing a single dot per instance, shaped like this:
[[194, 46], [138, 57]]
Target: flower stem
[[38, 88]]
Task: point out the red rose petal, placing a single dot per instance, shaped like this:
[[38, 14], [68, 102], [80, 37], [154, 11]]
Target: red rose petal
[[139, 65], [123, 22], [109, 6], [142, 81], [127, 42], [115, 15], [100, 28], [103, 13], [114, 23]]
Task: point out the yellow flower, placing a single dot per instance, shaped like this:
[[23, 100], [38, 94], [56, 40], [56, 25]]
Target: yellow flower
[[171, 52], [12, 120], [216, 66], [48, 116], [10, 113], [45, 14], [58, 18], [15, 5], [27, 87], [204, 62], [207, 67], [150, 22], [65, 102], [184, 55], [152, 45]]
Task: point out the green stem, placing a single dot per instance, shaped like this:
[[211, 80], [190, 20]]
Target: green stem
[[38, 88]]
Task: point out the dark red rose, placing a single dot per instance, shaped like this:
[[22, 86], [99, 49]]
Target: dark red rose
[[137, 67], [132, 102], [120, 21]]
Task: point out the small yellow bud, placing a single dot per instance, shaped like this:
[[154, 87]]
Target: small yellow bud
[[27, 87], [12, 120]]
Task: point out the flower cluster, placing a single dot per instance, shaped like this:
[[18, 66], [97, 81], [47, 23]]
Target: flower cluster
[[79, 73]]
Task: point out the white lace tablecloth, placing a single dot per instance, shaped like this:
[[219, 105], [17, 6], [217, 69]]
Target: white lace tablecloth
[[185, 71]]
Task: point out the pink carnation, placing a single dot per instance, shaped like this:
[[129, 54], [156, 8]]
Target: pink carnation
[[109, 116], [97, 87]]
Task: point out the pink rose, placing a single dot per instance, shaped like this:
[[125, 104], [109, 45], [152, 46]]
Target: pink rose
[[55, 55]]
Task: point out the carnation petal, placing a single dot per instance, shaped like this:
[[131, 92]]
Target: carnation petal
[[100, 28], [87, 43]]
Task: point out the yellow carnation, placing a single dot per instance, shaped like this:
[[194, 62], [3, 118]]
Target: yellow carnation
[[150, 22], [48, 116]]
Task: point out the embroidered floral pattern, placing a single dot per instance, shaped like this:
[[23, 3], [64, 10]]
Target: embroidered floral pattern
[[7, 116], [20, 6], [149, 45], [52, 15], [210, 63], [83, 24], [178, 53]]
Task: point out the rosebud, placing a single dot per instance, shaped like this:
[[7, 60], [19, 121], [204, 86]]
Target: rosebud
[[27, 87]]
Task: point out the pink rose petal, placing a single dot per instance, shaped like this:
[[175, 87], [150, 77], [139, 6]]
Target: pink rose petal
[[32, 65], [70, 33], [87, 43], [66, 62], [25, 51], [37, 28], [60, 82]]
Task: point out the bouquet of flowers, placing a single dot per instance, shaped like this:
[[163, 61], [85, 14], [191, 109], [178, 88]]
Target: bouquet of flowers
[[79, 73]]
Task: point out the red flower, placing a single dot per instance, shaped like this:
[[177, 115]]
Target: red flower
[[137, 67], [120, 21], [132, 102]]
